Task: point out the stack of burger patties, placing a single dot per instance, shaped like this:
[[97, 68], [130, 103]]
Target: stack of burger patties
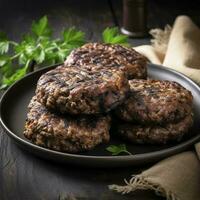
[[73, 103], [156, 112]]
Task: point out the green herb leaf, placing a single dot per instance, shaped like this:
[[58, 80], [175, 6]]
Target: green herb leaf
[[5, 66], [4, 60], [39, 56], [61, 56], [72, 36], [41, 27], [7, 81], [4, 43], [18, 74], [4, 47], [116, 150], [28, 38], [112, 36], [22, 59]]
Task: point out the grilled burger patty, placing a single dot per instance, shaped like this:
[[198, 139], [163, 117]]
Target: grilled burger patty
[[155, 134], [107, 55], [155, 102], [76, 90], [64, 133]]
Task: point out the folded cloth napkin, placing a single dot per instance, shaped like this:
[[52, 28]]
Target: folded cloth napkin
[[177, 177], [177, 48]]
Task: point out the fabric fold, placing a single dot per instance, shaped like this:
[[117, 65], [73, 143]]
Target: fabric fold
[[176, 178]]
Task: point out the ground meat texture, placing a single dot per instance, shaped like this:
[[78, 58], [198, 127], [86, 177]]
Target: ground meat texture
[[155, 134], [76, 90], [65, 133], [108, 55], [155, 102]]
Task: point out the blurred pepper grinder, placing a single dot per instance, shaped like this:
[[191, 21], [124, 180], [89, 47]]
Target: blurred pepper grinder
[[134, 18]]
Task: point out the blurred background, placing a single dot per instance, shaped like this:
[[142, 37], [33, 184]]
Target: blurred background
[[91, 16]]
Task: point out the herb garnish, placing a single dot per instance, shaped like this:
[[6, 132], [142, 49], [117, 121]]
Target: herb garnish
[[112, 36], [116, 150], [38, 48]]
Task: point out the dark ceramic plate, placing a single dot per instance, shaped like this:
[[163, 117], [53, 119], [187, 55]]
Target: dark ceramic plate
[[13, 110]]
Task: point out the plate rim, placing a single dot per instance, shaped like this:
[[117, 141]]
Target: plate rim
[[133, 157]]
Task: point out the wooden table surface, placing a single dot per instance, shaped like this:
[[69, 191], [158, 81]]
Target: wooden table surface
[[25, 177]]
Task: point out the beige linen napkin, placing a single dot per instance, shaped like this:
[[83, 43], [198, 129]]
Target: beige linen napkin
[[177, 48], [177, 177]]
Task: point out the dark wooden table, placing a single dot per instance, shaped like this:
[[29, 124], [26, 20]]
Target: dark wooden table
[[25, 177]]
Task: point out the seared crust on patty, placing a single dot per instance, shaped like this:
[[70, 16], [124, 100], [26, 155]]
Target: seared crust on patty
[[64, 133], [108, 55], [156, 134], [155, 102], [76, 90]]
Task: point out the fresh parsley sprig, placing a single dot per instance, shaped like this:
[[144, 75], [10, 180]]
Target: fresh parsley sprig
[[116, 150], [36, 48], [113, 36], [39, 48]]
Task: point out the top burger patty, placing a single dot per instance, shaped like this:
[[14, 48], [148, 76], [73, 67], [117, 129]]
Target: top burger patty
[[108, 55], [155, 102], [77, 90]]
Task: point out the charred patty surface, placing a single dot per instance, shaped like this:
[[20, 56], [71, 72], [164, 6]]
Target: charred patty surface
[[77, 90], [64, 133], [156, 134], [155, 102], [108, 55]]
